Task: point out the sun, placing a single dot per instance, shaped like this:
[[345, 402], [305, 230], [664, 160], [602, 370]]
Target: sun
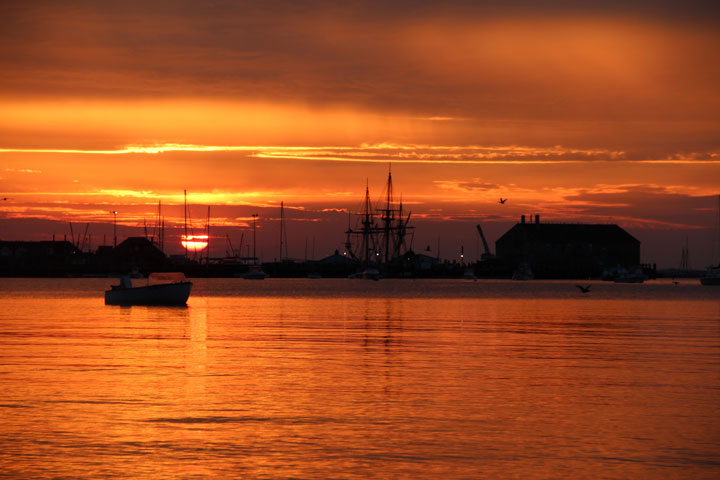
[[194, 243]]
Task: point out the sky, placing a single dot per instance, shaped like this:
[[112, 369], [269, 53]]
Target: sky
[[580, 112]]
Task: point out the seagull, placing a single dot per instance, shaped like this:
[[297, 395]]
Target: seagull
[[503, 200], [584, 289]]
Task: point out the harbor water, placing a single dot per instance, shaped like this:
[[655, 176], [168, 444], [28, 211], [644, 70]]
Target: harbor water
[[357, 379]]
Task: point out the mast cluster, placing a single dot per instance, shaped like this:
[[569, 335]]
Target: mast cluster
[[379, 235]]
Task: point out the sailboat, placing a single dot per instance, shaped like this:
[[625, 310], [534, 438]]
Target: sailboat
[[375, 242], [712, 275]]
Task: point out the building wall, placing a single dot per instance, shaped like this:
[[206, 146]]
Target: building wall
[[558, 258]]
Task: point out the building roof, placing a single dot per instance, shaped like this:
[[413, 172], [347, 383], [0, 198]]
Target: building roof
[[569, 232], [336, 258], [45, 247]]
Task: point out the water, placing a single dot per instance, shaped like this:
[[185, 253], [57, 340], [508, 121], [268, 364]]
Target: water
[[359, 379]]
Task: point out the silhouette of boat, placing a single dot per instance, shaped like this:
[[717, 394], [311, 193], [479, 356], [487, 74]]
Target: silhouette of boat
[[635, 275], [523, 272], [368, 274], [174, 290], [712, 274], [255, 273], [374, 243]]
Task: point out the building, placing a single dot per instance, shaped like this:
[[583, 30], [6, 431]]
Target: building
[[559, 250], [45, 258], [141, 254]]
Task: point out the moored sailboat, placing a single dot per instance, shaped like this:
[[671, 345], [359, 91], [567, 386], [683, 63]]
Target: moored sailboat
[[712, 274]]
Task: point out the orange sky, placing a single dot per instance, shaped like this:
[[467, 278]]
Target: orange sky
[[594, 113]]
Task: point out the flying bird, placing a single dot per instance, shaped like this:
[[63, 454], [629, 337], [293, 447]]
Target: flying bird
[[584, 289], [503, 200], [6, 198]]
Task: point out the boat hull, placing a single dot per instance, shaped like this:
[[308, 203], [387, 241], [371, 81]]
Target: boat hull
[[629, 280], [255, 276], [164, 294], [710, 281], [368, 274]]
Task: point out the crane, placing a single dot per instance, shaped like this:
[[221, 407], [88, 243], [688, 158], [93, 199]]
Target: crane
[[487, 255]]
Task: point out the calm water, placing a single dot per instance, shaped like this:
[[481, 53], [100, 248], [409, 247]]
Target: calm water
[[360, 379]]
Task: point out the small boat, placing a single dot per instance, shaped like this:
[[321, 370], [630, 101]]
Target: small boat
[[711, 277], [368, 274], [636, 275], [523, 272], [255, 273], [712, 274], [161, 289]]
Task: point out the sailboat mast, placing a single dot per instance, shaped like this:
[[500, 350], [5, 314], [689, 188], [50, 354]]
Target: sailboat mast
[[161, 228], [207, 232], [716, 247], [388, 217], [282, 225], [285, 238], [186, 240], [367, 223]]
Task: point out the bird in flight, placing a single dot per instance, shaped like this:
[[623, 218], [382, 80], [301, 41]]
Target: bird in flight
[[503, 200], [584, 289], [6, 198]]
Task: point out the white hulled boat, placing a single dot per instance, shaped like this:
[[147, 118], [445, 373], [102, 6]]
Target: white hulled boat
[[712, 276], [255, 272], [161, 289]]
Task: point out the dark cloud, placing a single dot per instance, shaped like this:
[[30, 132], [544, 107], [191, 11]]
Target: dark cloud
[[474, 185], [652, 202], [615, 74]]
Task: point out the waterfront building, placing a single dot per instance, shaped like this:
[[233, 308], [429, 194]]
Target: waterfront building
[[563, 250]]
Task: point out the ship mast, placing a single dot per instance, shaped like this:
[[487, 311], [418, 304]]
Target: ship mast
[[207, 232], [382, 243], [283, 232], [186, 234], [367, 224], [387, 218], [716, 247]]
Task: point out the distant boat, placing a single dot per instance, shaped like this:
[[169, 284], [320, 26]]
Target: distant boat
[[173, 290], [636, 275], [368, 273], [712, 276], [523, 272], [255, 273]]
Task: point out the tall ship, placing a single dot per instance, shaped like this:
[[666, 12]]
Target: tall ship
[[378, 236]]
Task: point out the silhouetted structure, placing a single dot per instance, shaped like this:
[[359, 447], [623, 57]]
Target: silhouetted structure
[[557, 250], [141, 254], [46, 258], [375, 244]]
